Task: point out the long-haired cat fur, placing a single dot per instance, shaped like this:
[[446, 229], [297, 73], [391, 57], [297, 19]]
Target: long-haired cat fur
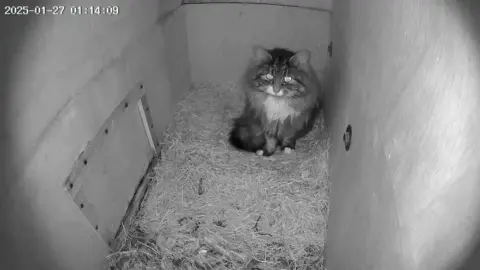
[[283, 96]]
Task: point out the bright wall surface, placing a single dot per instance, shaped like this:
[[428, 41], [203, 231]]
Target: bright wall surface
[[406, 76], [62, 76], [221, 36]]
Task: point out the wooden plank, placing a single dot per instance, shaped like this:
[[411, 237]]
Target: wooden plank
[[71, 185], [107, 173], [221, 37], [321, 5], [147, 120], [61, 55], [134, 206], [85, 114], [177, 56], [69, 75]]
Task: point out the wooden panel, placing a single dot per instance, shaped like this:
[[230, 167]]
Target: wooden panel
[[81, 119], [405, 77], [221, 37], [61, 55], [64, 82], [324, 5], [147, 120], [134, 207], [174, 29], [105, 177]]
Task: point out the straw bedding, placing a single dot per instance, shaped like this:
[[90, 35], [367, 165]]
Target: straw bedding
[[213, 207]]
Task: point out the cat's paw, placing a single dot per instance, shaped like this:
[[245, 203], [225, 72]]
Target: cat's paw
[[264, 153], [288, 150], [259, 152]]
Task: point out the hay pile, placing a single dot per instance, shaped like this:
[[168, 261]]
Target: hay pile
[[213, 207]]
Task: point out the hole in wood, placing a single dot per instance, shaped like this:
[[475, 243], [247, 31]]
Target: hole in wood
[[141, 86], [106, 131], [85, 162], [151, 125], [109, 243], [347, 137], [96, 227], [71, 185], [81, 205], [146, 109], [330, 49], [126, 104]]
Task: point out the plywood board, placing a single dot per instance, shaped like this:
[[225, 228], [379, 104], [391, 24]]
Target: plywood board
[[177, 56], [135, 206], [63, 77], [405, 195], [221, 37], [104, 179], [147, 120], [62, 54]]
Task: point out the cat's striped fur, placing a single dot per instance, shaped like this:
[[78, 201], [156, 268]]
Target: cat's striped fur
[[283, 96]]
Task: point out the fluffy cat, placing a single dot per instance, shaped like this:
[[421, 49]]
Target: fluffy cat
[[283, 97]]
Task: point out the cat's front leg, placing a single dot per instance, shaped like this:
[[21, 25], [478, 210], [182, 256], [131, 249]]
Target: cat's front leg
[[269, 148], [288, 145]]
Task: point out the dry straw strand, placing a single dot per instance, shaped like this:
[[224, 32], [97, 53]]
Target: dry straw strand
[[213, 207]]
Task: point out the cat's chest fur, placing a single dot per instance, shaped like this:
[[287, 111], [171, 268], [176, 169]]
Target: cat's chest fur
[[277, 109]]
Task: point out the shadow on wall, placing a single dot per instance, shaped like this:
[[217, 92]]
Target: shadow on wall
[[470, 11], [20, 240]]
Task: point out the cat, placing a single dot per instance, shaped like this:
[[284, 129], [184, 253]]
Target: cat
[[283, 97], [247, 133]]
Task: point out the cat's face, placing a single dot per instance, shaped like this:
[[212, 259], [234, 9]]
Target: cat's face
[[278, 72]]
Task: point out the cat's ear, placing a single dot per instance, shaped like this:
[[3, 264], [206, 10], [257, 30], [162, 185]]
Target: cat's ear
[[261, 54], [301, 57]]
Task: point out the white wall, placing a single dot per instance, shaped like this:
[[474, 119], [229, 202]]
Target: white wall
[[221, 36], [63, 77], [66, 74], [406, 77]]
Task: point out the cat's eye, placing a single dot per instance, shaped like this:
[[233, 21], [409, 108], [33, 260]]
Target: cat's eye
[[288, 79], [268, 76]]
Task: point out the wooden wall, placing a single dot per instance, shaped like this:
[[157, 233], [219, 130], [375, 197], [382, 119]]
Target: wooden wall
[[406, 78], [63, 77], [221, 35], [72, 149]]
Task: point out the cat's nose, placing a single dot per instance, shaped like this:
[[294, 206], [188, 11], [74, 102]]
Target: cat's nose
[[276, 87]]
